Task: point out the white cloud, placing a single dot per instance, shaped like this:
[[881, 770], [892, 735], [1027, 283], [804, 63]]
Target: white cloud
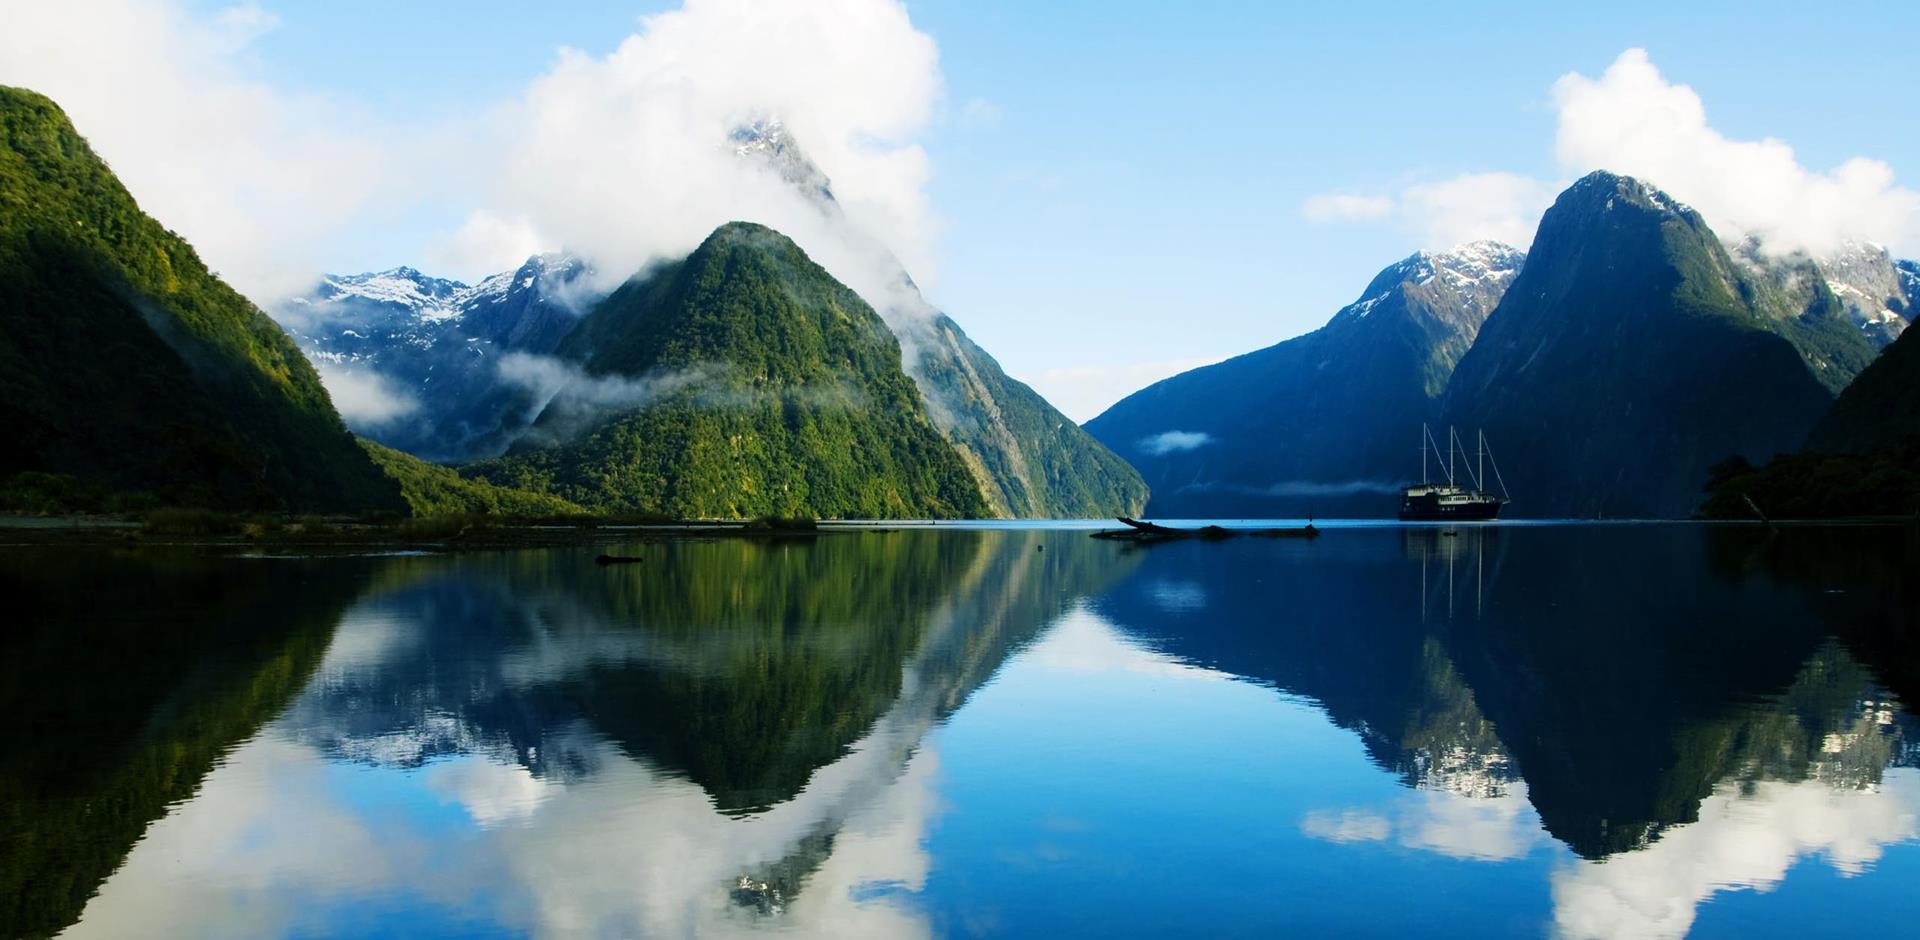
[[1168, 442], [624, 157], [487, 243], [1340, 207], [1632, 120], [1083, 392], [257, 178], [364, 398], [1505, 207]]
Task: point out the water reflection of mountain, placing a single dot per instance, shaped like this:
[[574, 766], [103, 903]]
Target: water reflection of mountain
[[123, 679], [749, 669], [1623, 674], [744, 666]]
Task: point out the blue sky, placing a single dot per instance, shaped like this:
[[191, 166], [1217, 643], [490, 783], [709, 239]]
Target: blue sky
[[1112, 191]]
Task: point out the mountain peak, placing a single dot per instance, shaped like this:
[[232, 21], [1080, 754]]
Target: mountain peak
[[1610, 189], [769, 142], [1472, 275], [403, 287]]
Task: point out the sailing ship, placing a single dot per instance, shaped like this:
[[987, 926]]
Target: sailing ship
[[1450, 501]]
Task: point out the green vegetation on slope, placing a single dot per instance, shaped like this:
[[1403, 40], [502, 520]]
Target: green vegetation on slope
[[1032, 462], [433, 490], [126, 364], [1880, 411], [755, 385], [1862, 459], [1812, 485]]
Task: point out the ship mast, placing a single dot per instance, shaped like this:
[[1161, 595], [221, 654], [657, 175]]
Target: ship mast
[[1424, 434], [1450, 439]]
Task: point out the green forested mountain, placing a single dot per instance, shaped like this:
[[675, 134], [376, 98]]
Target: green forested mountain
[[433, 490], [1631, 354], [1326, 422], [741, 381], [1880, 411], [1031, 461], [1862, 458], [126, 364]]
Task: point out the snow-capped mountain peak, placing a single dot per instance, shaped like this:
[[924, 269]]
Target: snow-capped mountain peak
[[769, 142], [1878, 293], [403, 287]]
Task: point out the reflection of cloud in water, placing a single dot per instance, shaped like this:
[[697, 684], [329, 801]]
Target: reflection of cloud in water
[[367, 637], [1743, 840], [1347, 825], [224, 865], [622, 853], [1453, 824], [279, 834], [1178, 596], [1082, 641], [492, 793]]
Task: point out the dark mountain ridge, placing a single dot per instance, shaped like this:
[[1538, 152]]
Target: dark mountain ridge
[[1322, 423], [1630, 355]]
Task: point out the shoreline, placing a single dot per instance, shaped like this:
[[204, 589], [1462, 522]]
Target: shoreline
[[462, 534]]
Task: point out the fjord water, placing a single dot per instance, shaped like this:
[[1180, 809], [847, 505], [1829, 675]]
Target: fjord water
[[1608, 731]]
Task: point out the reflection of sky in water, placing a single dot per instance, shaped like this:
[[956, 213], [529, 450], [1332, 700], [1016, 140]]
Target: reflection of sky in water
[[1095, 785], [281, 840]]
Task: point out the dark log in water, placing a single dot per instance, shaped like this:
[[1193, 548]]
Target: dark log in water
[[617, 559], [1139, 531]]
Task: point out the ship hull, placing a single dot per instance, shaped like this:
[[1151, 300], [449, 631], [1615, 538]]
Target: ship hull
[[1467, 512], [1426, 503]]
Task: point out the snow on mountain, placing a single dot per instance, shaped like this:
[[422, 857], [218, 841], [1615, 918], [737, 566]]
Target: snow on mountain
[[438, 341], [1877, 293], [769, 141], [1470, 277]]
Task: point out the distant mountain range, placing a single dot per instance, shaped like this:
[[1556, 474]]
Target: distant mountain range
[[438, 346], [1627, 354], [435, 345], [1323, 423], [1615, 367]]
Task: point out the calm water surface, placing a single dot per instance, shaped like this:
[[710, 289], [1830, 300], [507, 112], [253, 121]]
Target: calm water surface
[[1638, 731]]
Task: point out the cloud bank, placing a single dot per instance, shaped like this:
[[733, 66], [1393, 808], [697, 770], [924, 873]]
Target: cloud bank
[[257, 178], [1633, 120], [622, 158], [364, 399], [625, 158]]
